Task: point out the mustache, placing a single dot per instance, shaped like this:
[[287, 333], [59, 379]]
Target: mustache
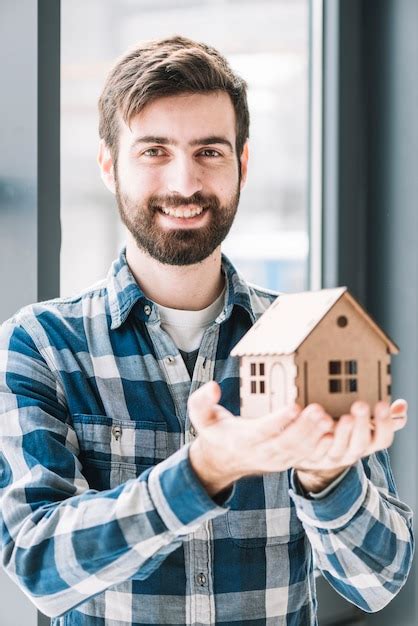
[[204, 201]]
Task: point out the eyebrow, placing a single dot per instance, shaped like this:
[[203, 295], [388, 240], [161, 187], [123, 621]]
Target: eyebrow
[[165, 141]]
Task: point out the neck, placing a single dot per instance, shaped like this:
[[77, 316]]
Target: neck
[[188, 287]]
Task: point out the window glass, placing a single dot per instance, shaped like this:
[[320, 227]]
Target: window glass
[[335, 385], [267, 43], [335, 367], [351, 367], [351, 385]]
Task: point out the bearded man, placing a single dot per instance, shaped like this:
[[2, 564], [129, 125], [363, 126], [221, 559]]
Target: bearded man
[[132, 491]]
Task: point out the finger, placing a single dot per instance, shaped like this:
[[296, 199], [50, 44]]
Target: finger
[[275, 423], [342, 435], [360, 410], [382, 411], [320, 451], [384, 427], [221, 412], [202, 403], [361, 435], [287, 416], [304, 433], [399, 413]]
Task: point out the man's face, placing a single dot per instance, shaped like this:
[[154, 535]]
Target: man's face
[[177, 179]]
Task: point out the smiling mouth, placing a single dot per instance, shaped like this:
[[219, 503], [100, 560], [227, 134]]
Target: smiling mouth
[[185, 213]]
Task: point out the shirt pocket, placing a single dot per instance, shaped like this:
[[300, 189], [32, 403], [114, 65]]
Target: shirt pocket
[[113, 451], [262, 513]]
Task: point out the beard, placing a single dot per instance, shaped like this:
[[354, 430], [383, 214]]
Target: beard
[[183, 246]]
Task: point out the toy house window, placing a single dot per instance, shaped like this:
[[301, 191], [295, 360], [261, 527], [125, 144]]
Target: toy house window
[[351, 367], [335, 367], [257, 378], [342, 376], [334, 385]]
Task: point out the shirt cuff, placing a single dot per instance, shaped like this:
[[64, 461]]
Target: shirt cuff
[[298, 488], [180, 498], [338, 505]]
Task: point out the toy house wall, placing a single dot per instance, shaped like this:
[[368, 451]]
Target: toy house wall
[[357, 341], [279, 386]]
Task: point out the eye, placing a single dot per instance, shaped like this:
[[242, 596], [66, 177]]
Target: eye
[[210, 152], [153, 152]]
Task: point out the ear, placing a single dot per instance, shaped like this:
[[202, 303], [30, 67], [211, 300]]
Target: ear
[[107, 170], [244, 164]]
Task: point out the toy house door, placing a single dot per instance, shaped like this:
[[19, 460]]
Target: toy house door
[[278, 387]]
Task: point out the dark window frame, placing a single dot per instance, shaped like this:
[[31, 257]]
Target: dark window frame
[[257, 378], [343, 376]]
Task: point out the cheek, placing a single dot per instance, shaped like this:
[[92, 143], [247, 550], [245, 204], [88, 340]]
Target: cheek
[[139, 182], [224, 183]]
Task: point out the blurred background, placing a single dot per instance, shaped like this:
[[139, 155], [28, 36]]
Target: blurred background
[[267, 43], [332, 192]]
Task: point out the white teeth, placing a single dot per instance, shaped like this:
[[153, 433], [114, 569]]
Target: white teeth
[[182, 213]]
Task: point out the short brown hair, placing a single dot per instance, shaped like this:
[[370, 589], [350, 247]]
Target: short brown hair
[[166, 67]]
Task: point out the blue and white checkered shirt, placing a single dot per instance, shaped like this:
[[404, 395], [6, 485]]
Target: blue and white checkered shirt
[[104, 522]]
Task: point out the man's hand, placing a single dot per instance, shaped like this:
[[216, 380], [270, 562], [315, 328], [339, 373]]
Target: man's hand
[[230, 447], [355, 436]]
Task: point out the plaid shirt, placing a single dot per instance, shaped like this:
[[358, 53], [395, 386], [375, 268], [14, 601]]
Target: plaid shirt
[[103, 519]]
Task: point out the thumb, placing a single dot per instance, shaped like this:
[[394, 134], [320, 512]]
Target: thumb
[[202, 405]]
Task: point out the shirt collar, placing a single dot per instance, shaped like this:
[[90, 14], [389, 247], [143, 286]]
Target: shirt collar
[[237, 291], [124, 292]]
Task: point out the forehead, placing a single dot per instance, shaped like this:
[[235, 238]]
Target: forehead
[[184, 117]]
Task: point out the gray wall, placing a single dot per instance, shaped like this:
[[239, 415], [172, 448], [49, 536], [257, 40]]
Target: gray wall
[[370, 200], [18, 156], [18, 216], [392, 230], [29, 187]]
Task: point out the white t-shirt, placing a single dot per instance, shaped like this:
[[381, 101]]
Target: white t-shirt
[[186, 328]]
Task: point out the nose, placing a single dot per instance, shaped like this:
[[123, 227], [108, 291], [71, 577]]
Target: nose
[[184, 177]]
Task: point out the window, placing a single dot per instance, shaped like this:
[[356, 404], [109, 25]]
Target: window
[[342, 376], [257, 380], [351, 367], [335, 385], [342, 321], [335, 367], [350, 385], [268, 44]]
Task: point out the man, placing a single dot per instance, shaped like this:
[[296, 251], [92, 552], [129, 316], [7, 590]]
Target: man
[[120, 506]]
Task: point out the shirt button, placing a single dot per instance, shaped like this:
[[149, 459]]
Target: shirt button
[[169, 359], [147, 309], [192, 430], [201, 579], [117, 432]]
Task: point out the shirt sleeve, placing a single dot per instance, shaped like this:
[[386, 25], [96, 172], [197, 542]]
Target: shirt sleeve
[[361, 533], [63, 542], [297, 487]]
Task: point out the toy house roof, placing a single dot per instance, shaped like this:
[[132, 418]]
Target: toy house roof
[[297, 315]]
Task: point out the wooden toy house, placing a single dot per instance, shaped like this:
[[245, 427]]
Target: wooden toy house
[[317, 346]]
